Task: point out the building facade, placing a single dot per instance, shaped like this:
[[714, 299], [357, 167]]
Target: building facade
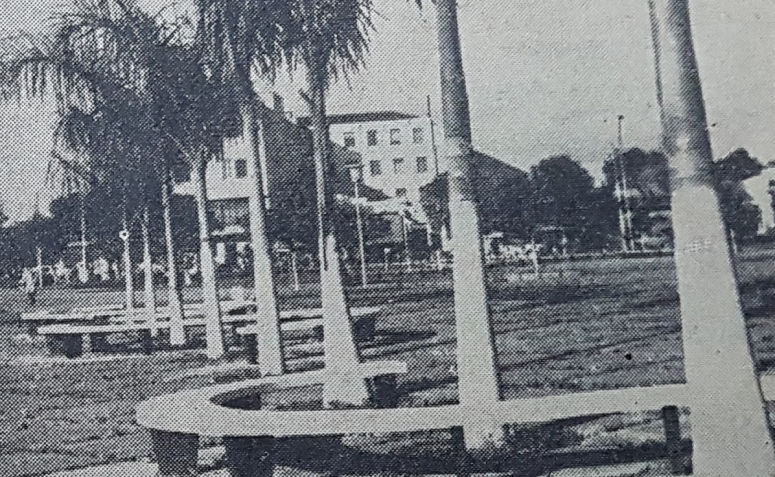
[[398, 151]]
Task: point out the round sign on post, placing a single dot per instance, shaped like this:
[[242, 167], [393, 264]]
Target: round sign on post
[[123, 235]]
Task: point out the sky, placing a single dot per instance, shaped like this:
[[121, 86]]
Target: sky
[[545, 77]]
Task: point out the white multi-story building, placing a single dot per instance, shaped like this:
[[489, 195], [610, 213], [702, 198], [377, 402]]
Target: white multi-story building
[[397, 151]]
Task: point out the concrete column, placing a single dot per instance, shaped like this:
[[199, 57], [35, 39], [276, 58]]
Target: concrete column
[[477, 375], [211, 306], [730, 430], [270, 352], [174, 300], [149, 300]]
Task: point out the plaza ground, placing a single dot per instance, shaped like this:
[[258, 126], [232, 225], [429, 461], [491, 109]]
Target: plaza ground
[[579, 326]]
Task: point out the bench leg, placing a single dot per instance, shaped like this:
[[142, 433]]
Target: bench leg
[[98, 342], [364, 330], [317, 331], [250, 456], [146, 338], [673, 440], [384, 392], [175, 453], [251, 348], [236, 337], [460, 453], [69, 346]]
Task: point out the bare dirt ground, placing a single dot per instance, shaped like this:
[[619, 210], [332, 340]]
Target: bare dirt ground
[[585, 325]]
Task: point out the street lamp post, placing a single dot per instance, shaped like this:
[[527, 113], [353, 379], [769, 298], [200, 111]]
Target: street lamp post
[[356, 175]]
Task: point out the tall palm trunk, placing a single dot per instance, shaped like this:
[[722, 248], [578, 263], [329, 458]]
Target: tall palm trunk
[[149, 299], [716, 344], [83, 229], [269, 344], [211, 306], [174, 301], [340, 351], [477, 374], [128, 284]]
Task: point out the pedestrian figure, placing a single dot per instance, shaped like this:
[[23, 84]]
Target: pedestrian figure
[[28, 281]]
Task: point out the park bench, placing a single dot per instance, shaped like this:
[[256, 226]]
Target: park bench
[[113, 314], [364, 325], [218, 412], [73, 339], [233, 411]]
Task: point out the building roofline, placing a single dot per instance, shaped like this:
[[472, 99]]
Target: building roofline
[[365, 117]]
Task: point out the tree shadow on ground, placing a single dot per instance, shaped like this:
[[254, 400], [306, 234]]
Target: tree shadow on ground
[[530, 453]]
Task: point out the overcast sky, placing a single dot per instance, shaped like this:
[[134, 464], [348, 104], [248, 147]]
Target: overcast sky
[[545, 77]]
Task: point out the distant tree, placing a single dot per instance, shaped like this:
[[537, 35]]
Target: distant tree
[[740, 214], [648, 185], [434, 200], [565, 197], [504, 194]]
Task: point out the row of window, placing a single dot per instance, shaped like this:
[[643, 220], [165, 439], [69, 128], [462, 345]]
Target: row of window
[[372, 137], [375, 166]]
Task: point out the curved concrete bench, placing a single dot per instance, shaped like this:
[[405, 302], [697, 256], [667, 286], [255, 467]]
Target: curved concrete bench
[[177, 420]]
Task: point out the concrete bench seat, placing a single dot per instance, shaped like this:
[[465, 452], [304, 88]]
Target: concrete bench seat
[[72, 339], [89, 313], [176, 449], [232, 411]]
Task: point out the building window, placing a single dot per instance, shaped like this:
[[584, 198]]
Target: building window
[[401, 192], [371, 137], [375, 167], [240, 168], [349, 139], [418, 135], [422, 165], [227, 169], [398, 165], [395, 136]]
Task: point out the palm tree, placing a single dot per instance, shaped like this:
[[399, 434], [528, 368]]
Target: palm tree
[[108, 53], [71, 176], [327, 37], [477, 373], [239, 35], [330, 37]]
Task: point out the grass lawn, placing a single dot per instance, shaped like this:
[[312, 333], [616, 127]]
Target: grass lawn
[[584, 325]]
